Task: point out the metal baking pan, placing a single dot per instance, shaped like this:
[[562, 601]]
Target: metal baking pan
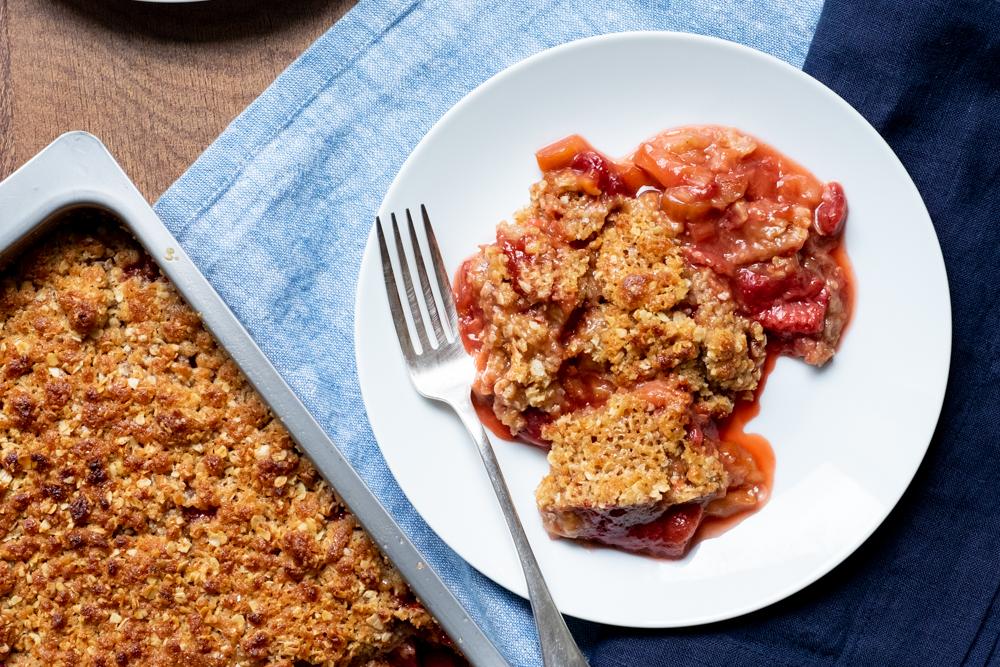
[[77, 171]]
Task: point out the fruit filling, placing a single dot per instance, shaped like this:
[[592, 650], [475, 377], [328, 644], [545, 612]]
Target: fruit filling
[[622, 315]]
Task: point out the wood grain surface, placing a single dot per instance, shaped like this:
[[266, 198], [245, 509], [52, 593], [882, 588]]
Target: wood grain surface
[[156, 83]]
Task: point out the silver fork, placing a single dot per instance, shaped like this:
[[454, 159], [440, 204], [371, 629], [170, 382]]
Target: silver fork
[[443, 373]]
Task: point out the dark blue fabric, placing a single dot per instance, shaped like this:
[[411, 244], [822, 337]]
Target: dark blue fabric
[[924, 589]]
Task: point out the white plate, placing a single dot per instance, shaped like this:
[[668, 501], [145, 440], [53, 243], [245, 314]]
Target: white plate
[[848, 439]]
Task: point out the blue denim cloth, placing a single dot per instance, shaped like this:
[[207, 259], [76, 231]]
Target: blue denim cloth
[[277, 211]]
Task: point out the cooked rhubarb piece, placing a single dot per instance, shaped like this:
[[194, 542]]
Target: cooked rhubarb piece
[[560, 154]]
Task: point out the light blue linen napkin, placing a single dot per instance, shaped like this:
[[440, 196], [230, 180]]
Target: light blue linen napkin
[[277, 211]]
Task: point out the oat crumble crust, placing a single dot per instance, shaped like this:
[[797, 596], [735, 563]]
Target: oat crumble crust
[[647, 313], [625, 455], [153, 511]]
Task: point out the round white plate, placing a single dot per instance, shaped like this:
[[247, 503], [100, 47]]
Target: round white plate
[[848, 438]]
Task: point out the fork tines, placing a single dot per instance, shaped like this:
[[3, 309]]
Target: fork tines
[[427, 307]]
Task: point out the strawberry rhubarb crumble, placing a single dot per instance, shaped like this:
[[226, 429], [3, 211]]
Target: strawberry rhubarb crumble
[[623, 314]]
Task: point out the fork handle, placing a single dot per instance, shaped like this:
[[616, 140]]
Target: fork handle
[[559, 649]]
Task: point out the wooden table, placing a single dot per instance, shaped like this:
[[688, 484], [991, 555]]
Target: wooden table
[[156, 83]]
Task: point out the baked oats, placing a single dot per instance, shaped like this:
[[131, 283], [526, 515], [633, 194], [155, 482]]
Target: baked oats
[[630, 306], [153, 511]]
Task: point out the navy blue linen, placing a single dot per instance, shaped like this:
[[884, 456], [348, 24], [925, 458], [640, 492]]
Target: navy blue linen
[[923, 590]]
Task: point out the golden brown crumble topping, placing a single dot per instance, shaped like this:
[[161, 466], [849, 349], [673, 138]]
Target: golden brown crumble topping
[[626, 455], [645, 311], [153, 511]]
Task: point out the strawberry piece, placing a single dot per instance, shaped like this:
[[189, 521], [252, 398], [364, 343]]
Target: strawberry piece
[[831, 214], [667, 536]]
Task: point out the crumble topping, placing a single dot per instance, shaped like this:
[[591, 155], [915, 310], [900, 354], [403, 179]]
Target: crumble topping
[[643, 310], [152, 510], [625, 455]]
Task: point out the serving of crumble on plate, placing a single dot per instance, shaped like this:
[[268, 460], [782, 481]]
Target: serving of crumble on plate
[[841, 460], [621, 316]]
